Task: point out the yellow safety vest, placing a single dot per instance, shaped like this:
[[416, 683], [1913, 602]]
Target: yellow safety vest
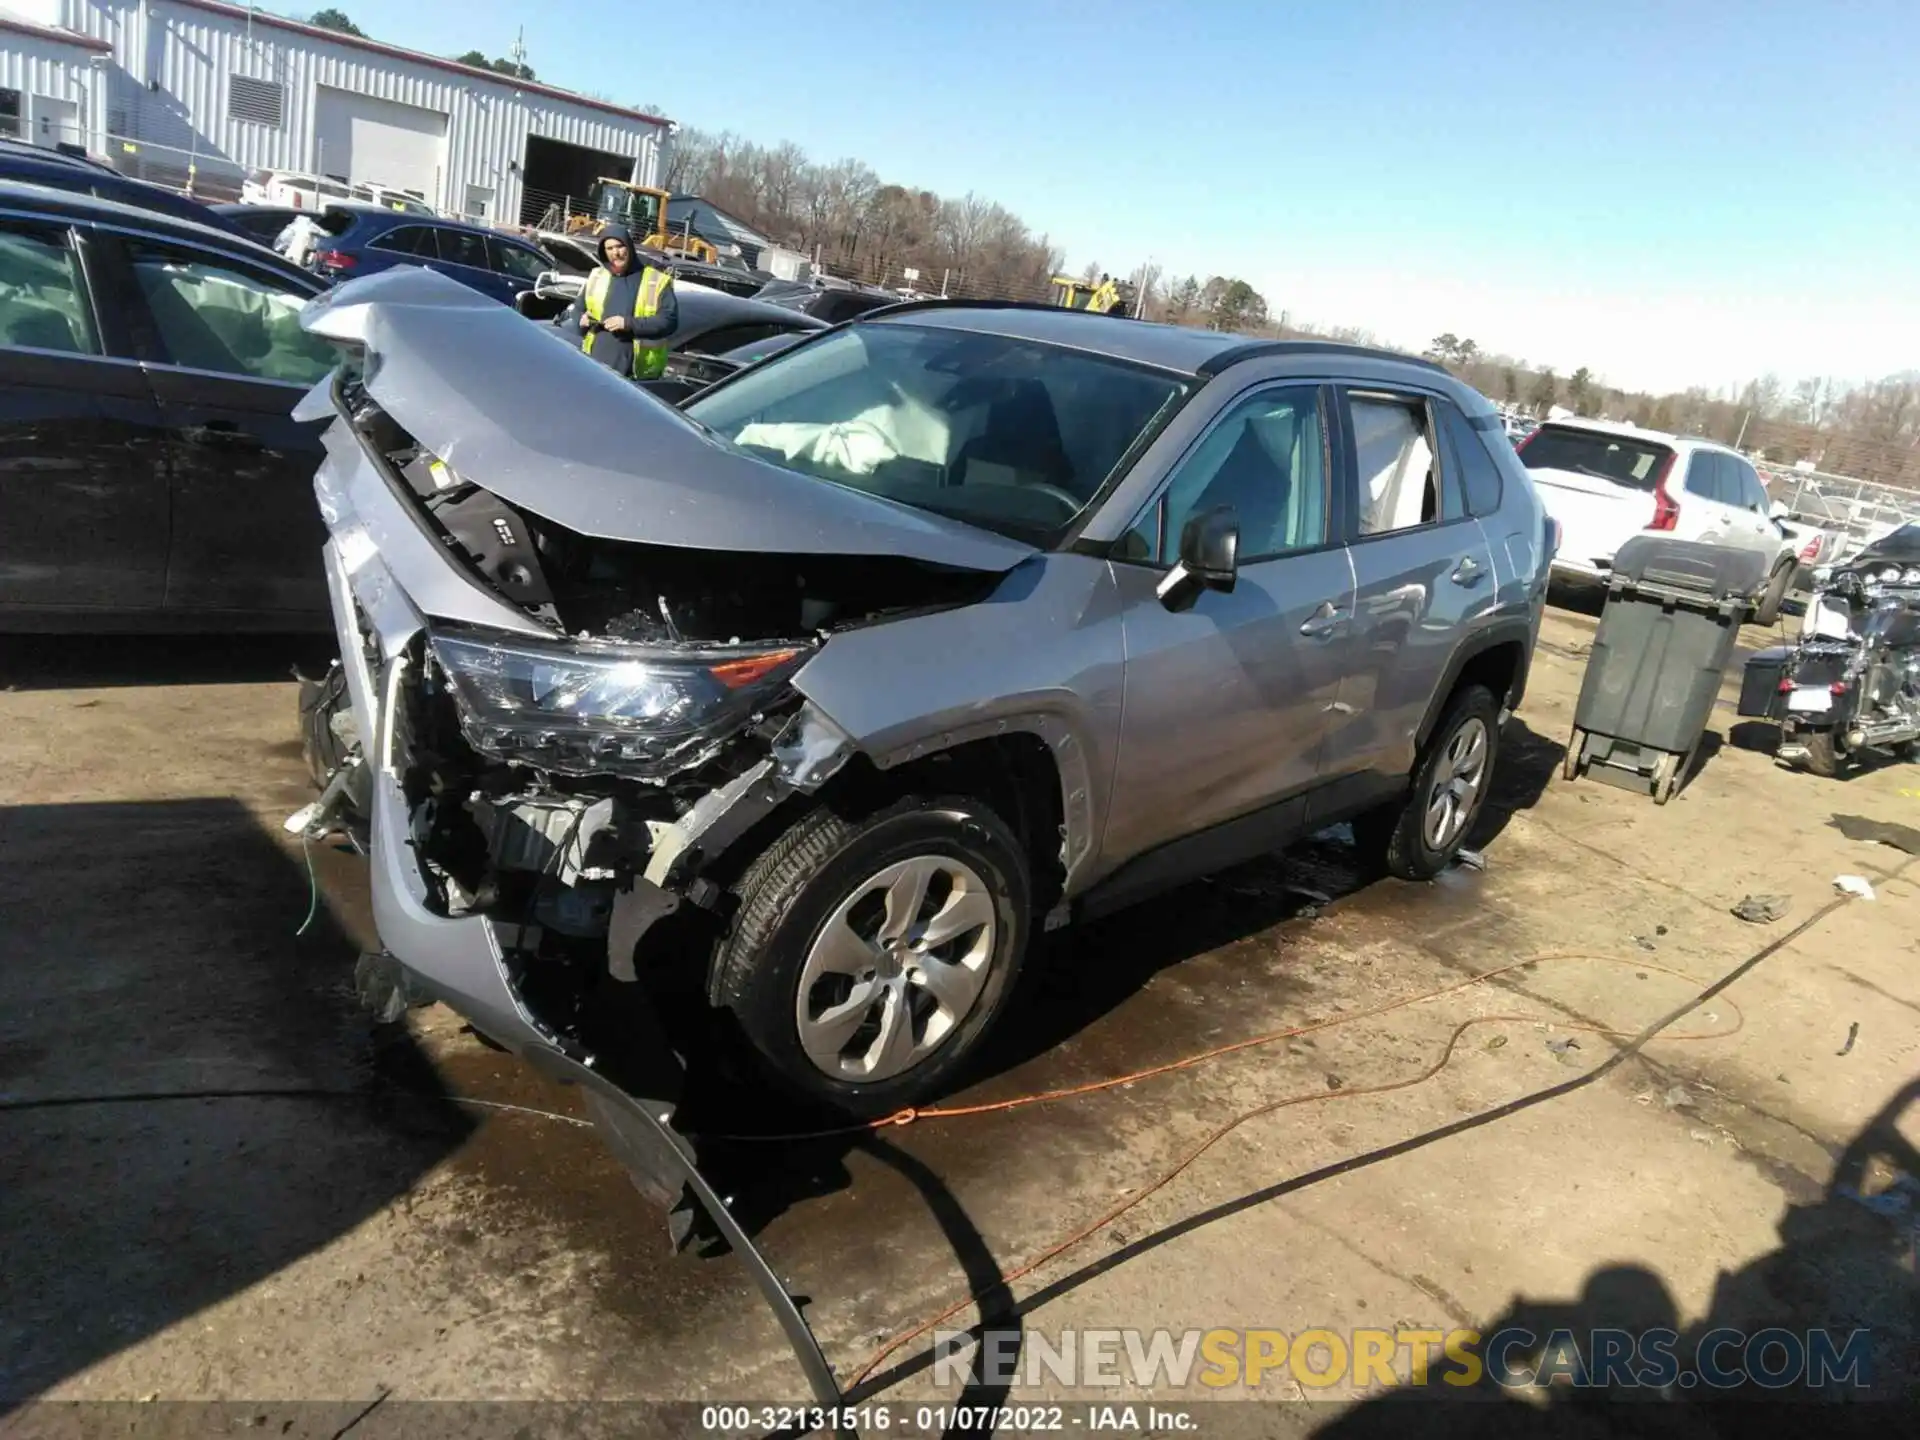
[[649, 359]]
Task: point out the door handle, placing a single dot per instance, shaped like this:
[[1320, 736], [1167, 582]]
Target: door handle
[[1322, 622], [1468, 571], [219, 435]]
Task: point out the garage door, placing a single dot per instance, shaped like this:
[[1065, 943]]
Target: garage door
[[381, 142]]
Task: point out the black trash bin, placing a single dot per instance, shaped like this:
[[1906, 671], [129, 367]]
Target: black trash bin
[[1674, 610]]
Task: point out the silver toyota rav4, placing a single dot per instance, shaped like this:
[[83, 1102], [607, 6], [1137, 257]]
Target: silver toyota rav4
[[944, 627]]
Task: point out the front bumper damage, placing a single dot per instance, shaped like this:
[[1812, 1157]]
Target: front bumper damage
[[475, 963]]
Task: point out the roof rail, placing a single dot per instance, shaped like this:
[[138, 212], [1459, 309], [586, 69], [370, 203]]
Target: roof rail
[[1254, 349]]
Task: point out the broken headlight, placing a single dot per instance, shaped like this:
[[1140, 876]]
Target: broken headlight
[[591, 707]]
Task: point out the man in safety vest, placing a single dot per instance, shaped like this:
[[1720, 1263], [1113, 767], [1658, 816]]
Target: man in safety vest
[[625, 304]]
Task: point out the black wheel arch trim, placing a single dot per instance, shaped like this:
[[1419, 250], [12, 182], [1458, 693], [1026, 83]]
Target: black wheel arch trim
[[1513, 630]]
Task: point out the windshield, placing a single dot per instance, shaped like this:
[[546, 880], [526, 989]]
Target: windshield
[[638, 210], [1006, 434], [1622, 459]]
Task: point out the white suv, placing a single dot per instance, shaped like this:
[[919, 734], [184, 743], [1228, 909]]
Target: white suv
[[1606, 483]]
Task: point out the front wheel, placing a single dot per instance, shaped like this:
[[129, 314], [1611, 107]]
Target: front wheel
[[1418, 838], [868, 958]]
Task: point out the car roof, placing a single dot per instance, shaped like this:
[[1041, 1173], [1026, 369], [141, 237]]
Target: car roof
[[1636, 432], [724, 308], [18, 149], [370, 209], [52, 199], [1165, 347]]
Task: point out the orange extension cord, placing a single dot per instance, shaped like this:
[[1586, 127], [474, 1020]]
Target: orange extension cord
[[1213, 1137]]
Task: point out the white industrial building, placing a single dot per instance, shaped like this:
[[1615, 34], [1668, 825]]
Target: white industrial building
[[201, 90]]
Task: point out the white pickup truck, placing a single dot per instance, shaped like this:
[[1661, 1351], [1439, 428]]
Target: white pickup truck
[[1606, 483]]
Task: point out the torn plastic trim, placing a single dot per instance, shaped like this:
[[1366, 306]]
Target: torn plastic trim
[[393, 563], [809, 751]]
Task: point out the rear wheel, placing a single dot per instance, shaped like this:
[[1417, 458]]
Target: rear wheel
[[1767, 612], [1908, 750], [1418, 837], [1823, 757], [869, 957]]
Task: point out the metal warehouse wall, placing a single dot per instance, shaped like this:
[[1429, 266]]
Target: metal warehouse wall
[[173, 92], [36, 66]]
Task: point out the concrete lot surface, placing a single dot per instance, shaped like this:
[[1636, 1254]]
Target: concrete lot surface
[[331, 1221]]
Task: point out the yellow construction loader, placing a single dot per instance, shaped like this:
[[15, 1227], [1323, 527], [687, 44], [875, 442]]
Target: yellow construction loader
[[1105, 296], [641, 210]]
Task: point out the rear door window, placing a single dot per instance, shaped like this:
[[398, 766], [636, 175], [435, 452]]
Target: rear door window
[[409, 240], [1394, 456], [1703, 475], [1733, 483], [462, 247], [43, 300], [517, 261]]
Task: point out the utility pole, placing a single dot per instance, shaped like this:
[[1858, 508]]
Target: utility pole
[[518, 54]]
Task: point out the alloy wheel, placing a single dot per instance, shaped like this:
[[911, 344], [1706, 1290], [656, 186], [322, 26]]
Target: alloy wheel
[[896, 968], [1456, 785]]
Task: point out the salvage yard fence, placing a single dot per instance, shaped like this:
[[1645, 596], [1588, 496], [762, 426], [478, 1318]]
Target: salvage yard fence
[[212, 178], [1857, 511]]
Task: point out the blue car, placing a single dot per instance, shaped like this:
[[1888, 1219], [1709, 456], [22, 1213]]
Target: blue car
[[373, 239], [79, 175]]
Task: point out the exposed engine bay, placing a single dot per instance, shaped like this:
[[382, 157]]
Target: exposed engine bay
[[574, 787]]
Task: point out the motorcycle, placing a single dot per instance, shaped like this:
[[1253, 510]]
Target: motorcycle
[[1851, 681]]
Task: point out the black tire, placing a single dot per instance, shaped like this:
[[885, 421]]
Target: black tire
[[1906, 750], [1394, 835], [1767, 612], [794, 887], [1823, 757]]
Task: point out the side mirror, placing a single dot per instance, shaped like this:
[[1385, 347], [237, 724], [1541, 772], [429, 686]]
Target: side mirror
[[1209, 558], [1778, 510]]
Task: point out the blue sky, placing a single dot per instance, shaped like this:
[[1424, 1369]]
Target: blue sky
[[1687, 193]]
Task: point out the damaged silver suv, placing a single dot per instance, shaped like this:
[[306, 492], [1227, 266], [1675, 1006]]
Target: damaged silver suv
[[946, 626]]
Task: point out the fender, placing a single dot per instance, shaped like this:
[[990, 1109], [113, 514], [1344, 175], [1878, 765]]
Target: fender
[[1043, 656], [1508, 630]]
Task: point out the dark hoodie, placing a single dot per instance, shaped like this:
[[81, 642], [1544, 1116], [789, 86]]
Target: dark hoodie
[[616, 351]]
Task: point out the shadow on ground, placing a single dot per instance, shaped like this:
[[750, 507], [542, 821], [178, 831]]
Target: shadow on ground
[[55, 662], [150, 955], [1844, 1265], [1581, 597]]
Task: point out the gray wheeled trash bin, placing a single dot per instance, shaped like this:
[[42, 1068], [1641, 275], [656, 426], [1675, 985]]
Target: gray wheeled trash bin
[[1674, 610]]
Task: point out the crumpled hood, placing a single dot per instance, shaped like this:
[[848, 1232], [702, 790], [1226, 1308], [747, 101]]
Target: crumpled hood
[[509, 405]]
